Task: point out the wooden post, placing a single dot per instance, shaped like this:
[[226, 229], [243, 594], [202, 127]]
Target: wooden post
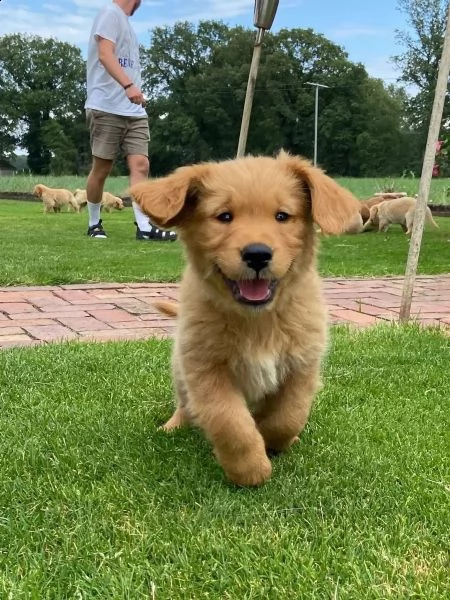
[[425, 179], [250, 93]]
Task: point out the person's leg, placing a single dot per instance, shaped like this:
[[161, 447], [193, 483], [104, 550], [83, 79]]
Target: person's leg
[[139, 167], [106, 132], [100, 170], [135, 148]]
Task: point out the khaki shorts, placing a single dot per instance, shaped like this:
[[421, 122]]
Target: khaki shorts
[[113, 133]]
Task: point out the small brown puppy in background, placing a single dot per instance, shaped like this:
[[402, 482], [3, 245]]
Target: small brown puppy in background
[[54, 199], [398, 211], [366, 205], [108, 202], [252, 324]]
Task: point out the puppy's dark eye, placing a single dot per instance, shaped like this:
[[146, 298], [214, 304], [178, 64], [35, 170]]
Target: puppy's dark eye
[[225, 217], [281, 216]]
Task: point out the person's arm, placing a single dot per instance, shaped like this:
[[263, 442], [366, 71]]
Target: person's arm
[[107, 57]]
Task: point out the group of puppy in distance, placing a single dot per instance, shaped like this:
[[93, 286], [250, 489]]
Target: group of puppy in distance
[[387, 208], [377, 212], [54, 199]]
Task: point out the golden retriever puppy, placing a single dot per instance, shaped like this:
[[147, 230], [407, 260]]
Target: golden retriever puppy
[[108, 202], [355, 225], [366, 205], [399, 211], [54, 199], [80, 197], [252, 324]]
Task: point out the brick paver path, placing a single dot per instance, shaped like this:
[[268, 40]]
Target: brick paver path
[[112, 311]]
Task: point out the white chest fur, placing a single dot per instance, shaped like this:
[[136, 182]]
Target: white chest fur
[[258, 377]]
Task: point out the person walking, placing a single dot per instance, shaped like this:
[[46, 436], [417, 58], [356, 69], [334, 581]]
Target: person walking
[[115, 113]]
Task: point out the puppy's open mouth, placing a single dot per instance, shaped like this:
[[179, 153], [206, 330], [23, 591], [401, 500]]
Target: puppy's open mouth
[[255, 292]]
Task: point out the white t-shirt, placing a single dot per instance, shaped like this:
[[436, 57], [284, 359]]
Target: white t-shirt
[[103, 92]]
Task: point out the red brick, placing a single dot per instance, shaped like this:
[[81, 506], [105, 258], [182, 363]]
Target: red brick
[[109, 295], [155, 324], [82, 323], [376, 311], [71, 308], [354, 317], [51, 304], [173, 295], [41, 295], [51, 333], [94, 304], [143, 286], [31, 288], [74, 295], [436, 307], [135, 306], [112, 316], [17, 307], [7, 331], [47, 315], [14, 337], [91, 286], [26, 322], [10, 297], [158, 316], [374, 301], [19, 343]]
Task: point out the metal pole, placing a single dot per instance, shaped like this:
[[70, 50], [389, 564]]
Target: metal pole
[[316, 115], [316, 120], [425, 179], [250, 93]]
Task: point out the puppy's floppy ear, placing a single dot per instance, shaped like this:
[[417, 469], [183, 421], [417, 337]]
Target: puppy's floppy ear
[[333, 207], [163, 199]]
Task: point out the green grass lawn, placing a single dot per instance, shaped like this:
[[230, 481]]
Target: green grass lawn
[[362, 188], [40, 249], [95, 502]]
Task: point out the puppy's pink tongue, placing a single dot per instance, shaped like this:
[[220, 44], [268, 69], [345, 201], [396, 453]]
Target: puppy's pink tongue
[[254, 289]]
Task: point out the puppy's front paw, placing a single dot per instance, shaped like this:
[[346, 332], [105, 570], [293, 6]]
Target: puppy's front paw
[[250, 470], [177, 420]]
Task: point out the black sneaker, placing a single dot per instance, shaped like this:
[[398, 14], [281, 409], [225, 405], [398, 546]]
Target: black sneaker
[[155, 234], [97, 231]]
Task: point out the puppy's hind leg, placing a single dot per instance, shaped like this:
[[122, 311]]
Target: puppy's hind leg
[[409, 220], [383, 225]]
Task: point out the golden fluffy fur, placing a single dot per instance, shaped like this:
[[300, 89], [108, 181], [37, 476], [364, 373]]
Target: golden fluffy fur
[[54, 199], [366, 205], [399, 211], [252, 324], [108, 202]]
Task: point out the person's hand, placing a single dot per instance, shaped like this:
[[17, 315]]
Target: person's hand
[[135, 95]]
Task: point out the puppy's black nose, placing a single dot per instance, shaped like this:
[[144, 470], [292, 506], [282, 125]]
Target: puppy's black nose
[[257, 256]]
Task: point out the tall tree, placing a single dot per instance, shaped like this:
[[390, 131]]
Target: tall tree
[[419, 61], [195, 103], [42, 85], [8, 136]]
